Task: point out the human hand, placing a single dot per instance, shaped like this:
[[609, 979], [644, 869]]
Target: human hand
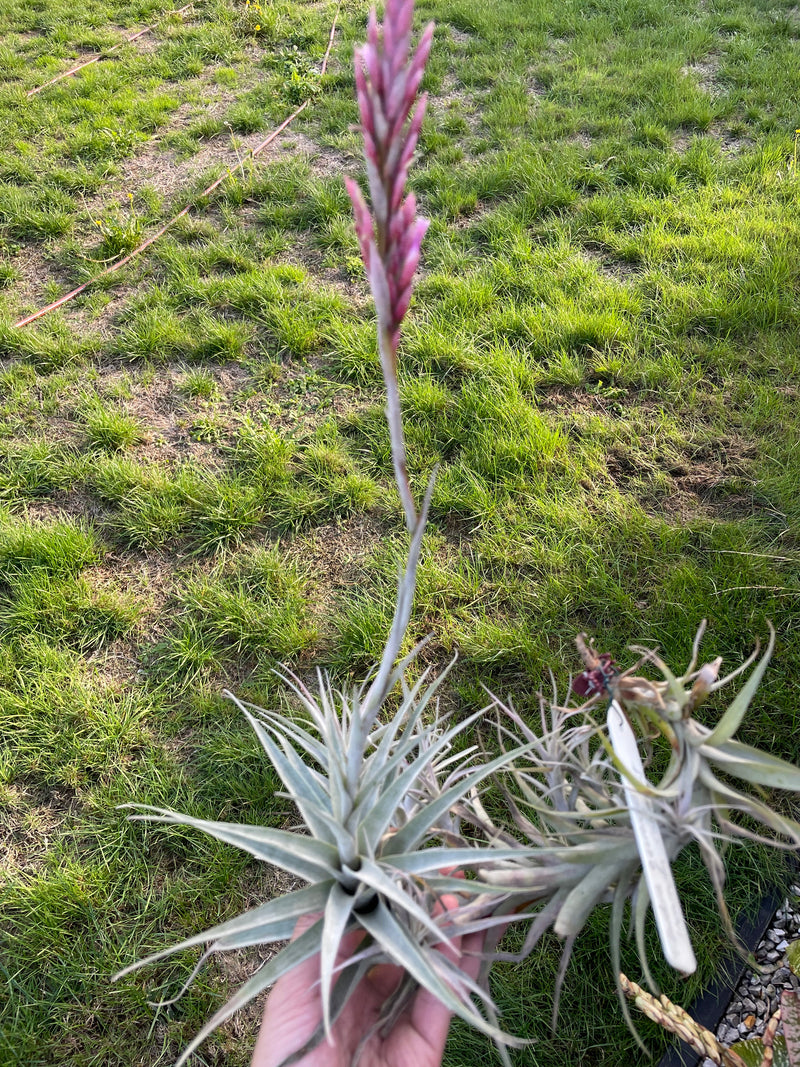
[[294, 1011]]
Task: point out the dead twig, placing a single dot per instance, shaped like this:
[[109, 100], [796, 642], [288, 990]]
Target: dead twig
[[106, 52], [206, 192]]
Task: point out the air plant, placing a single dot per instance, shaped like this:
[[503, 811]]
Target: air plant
[[599, 830], [367, 850], [375, 797]]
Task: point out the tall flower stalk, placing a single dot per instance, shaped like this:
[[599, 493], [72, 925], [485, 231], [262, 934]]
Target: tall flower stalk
[[388, 76], [376, 796]]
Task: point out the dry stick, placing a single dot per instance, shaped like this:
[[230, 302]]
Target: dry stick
[[168, 225], [106, 52]]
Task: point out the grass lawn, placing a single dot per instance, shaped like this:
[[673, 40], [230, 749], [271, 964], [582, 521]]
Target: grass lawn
[[195, 483]]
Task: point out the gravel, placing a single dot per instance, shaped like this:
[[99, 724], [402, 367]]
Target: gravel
[[756, 997]]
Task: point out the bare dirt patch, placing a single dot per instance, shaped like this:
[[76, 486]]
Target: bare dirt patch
[[38, 279], [460, 36], [335, 555], [322, 160], [149, 578], [453, 99], [732, 144], [706, 479], [158, 166], [70, 504], [709, 481], [581, 139], [705, 72], [556, 47], [537, 88], [304, 253], [609, 266], [103, 320], [166, 413], [30, 820]]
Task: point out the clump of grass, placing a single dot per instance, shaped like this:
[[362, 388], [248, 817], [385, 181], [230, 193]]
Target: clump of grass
[[252, 610], [223, 510], [8, 274], [210, 429], [72, 612], [200, 384], [155, 333], [219, 339], [110, 429], [61, 548], [36, 469]]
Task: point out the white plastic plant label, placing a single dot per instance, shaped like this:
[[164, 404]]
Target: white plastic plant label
[[670, 922]]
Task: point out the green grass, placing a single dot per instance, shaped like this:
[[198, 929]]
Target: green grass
[[195, 476]]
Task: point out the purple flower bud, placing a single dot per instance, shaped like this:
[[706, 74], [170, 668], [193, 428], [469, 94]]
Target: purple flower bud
[[364, 230], [597, 679]]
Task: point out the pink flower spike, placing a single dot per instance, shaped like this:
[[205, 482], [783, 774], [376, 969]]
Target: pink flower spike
[[388, 75]]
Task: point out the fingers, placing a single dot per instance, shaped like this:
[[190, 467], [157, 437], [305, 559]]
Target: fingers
[[384, 979], [429, 1016], [431, 1019], [471, 949]]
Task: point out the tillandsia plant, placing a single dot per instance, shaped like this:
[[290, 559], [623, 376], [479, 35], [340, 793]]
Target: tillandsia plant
[[375, 797], [600, 829]]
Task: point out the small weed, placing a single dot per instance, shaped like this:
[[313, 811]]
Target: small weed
[[255, 22], [121, 232], [211, 429], [301, 78]]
